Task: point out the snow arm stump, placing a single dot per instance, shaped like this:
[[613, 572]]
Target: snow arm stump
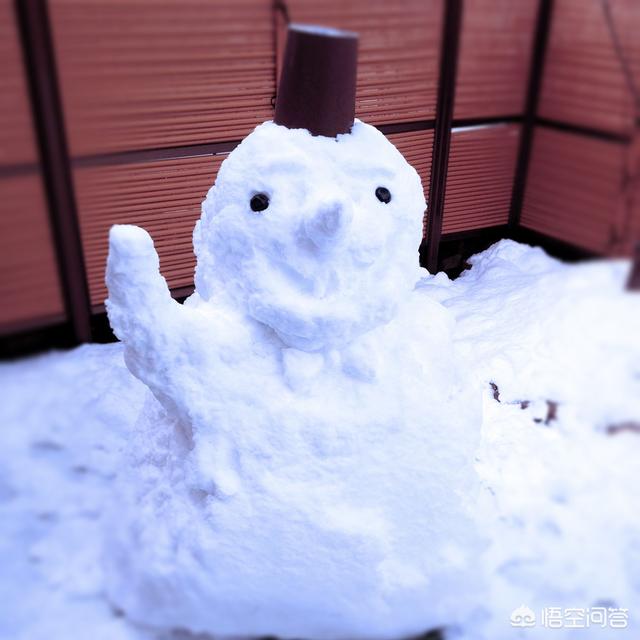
[[141, 311]]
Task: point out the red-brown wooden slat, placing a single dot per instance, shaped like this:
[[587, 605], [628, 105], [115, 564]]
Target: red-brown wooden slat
[[562, 198], [583, 81], [138, 74], [398, 58], [495, 51], [17, 140], [480, 178], [29, 286]]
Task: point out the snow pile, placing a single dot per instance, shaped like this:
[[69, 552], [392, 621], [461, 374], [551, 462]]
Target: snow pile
[[559, 505], [305, 465], [560, 346], [543, 330], [64, 417]]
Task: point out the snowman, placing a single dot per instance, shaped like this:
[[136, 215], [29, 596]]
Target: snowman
[[303, 466]]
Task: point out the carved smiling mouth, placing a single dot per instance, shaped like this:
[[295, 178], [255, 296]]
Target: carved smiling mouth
[[311, 303], [306, 311], [321, 285]]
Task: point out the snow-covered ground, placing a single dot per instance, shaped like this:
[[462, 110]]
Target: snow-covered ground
[[557, 349]]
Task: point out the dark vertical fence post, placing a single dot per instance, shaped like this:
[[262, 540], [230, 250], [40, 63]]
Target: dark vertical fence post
[[442, 132], [536, 69], [633, 283], [47, 110]]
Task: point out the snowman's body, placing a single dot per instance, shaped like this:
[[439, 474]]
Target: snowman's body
[[306, 419]]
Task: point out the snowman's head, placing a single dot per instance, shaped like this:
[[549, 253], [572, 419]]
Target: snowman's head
[[316, 237]]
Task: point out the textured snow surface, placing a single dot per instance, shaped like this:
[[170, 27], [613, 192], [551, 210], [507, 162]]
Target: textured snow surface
[[557, 513]]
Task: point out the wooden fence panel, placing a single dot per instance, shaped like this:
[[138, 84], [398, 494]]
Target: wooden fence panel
[[495, 54], [584, 81], [482, 164], [137, 75], [29, 287], [17, 141], [574, 189]]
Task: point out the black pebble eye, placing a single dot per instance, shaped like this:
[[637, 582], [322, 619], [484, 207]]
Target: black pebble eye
[[259, 202], [383, 194]]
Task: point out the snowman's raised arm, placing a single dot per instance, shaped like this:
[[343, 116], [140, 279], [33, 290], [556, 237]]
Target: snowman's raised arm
[[140, 307]]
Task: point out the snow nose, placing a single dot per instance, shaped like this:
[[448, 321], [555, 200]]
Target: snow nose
[[328, 224]]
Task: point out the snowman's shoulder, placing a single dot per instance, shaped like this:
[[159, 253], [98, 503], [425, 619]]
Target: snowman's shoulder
[[218, 331]]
